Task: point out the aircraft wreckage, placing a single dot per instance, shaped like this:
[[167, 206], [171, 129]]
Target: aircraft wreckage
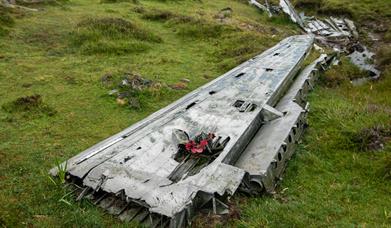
[[337, 33], [235, 133]]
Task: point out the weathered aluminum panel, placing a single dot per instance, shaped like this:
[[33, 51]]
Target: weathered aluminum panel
[[266, 156], [136, 163]]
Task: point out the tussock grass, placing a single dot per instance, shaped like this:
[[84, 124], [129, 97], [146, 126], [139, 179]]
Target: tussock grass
[[112, 36]]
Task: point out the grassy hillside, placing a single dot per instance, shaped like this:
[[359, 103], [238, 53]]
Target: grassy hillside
[[58, 65]]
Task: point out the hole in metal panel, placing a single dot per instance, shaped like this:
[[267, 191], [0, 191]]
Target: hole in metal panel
[[240, 75], [191, 105], [238, 103], [284, 147]]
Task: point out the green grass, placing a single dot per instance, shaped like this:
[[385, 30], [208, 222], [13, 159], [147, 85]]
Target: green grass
[[61, 53]]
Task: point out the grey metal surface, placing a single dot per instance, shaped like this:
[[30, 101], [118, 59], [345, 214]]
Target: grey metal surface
[[266, 156], [130, 174]]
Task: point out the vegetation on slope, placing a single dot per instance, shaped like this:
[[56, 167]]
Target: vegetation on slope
[[53, 105]]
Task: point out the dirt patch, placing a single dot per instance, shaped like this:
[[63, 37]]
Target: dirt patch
[[371, 139], [29, 106]]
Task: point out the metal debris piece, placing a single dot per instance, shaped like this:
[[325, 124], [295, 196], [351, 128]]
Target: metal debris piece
[[290, 10], [336, 33], [265, 158], [265, 7], [138, 175]]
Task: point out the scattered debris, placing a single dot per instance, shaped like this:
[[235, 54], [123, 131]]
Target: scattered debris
[[339, 34], [129, 88], [192, 155]]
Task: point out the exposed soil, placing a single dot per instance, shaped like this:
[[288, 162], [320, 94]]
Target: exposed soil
[[371, 139]]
